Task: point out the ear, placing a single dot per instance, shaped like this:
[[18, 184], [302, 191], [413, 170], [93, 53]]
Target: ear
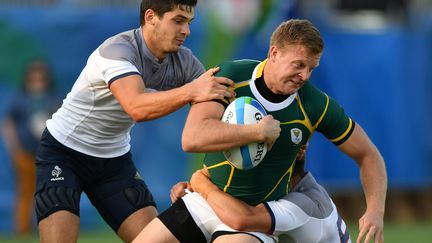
[[150, 17], [272, 53]]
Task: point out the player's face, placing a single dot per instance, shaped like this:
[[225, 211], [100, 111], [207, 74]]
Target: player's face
[[172, 28], [291, 67]]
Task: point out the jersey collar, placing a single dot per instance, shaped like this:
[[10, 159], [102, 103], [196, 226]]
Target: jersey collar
[[270, 106]]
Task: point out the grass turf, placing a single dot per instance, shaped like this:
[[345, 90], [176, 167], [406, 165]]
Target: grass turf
[[420, 232]]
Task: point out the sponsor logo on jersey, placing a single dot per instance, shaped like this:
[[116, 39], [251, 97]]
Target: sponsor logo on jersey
[[56, 174], [296, 135]]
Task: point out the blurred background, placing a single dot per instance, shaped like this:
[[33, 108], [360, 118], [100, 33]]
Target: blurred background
[[377, 64]]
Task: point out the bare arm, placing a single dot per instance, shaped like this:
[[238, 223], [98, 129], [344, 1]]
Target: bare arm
[[374, 180], [233, 212], [205, 132], [9, 135], [142, 106]]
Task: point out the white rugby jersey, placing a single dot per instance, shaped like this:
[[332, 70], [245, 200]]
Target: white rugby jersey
[[91, 120], [307, 214]]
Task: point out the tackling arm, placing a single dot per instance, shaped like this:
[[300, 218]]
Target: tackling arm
[[142, 106], [231, 211]]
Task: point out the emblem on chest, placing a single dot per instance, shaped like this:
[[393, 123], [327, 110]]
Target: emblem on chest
[[296, 135]]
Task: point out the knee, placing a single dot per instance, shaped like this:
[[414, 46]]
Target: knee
[[54, 199]]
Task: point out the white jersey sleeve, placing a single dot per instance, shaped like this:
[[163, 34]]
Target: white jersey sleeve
[[308, 215]]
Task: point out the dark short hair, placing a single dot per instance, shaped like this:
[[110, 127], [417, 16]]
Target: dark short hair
[[160, 7], [298, 31]]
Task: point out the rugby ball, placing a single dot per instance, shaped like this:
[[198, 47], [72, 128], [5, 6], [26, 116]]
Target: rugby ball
[[242, 111]]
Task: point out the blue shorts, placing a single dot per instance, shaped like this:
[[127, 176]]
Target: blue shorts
[[113, 185]]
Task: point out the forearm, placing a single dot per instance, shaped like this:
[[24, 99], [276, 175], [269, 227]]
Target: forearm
[[230, 210], [372, 168], [374, 180], [152, 105], [210, 135]]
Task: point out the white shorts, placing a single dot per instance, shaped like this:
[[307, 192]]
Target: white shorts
[[209, 223]]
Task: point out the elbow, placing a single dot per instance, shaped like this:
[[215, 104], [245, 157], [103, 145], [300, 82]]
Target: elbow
[[138, 115], [189, 143], [237, 222]]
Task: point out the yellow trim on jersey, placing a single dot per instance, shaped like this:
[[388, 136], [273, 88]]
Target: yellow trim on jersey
[[260, 69], [229, 178], [324, 112], [306, 122], [218, 165], [343, 134], [231, 173], [227, 101], [241, 84], [289, 171]]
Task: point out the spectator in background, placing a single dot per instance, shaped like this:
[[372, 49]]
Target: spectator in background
[[22, 128]]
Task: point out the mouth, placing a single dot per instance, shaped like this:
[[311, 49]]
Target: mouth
[[297, 83], [180, 41]]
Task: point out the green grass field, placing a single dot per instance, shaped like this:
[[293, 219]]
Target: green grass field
[[394, 233]]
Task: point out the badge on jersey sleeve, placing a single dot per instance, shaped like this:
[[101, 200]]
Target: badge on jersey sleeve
[[296, 135]]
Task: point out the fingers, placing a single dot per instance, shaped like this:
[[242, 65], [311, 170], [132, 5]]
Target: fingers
[[223, 87], [370, 233], [213, 71], [205, 172], [178, 191], [360, 236], [209, 87], [270, 145], [224, 81]]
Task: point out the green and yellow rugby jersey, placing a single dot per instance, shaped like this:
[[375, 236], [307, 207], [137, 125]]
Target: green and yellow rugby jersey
[[300, 114]]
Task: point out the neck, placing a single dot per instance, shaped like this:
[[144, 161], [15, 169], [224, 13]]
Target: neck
[[151, 44], [267, 77]]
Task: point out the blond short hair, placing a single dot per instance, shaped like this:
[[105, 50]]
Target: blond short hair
[[298, 32]]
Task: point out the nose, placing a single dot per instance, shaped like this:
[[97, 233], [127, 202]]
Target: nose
[[186, 30], [304, 75]]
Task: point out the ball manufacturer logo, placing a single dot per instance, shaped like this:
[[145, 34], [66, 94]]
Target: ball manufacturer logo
[[258, 116], [229, 116], [260, 151]]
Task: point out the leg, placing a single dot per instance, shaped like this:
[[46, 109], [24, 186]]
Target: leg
[[61, 226], [133, 224], [241, 238], [155, 232], [225, 234], [26, 180], [171, 226], [122, 198]]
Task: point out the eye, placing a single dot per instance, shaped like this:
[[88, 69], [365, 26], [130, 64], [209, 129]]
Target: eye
[[299, 65]]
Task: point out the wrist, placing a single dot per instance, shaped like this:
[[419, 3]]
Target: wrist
[[188, 92], [206, 191], [258, 132]]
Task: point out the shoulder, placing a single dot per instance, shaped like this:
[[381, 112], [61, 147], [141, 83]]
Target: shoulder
[[186, 56], [238, 70], [119, 47], [310, 93], [314, 101], [186, 62]]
